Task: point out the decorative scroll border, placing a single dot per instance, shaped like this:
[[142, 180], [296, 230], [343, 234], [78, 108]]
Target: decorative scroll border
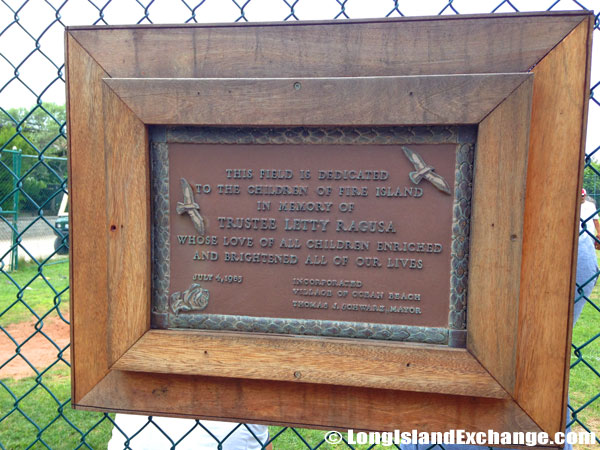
[[459, 260], [161, 251], [463, 136], [328, 328]]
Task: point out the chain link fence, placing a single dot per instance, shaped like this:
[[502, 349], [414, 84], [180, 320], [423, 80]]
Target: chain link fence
[[35, 407], [31, 193]]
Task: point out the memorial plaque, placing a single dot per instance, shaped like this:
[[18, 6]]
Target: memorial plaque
[[313, 231], [268, 217]]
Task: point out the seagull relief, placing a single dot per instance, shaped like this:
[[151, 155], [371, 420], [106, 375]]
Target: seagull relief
[[425, 171], [190, 207]]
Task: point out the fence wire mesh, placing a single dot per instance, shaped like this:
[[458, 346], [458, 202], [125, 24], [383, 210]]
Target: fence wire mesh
[[35, 407]]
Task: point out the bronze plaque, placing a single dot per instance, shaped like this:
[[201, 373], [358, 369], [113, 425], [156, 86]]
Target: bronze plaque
[[314, 236]]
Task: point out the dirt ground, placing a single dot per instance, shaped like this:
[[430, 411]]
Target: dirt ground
[[38, 350]]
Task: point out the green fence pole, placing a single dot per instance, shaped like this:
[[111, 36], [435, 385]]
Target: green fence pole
[[16, 157]]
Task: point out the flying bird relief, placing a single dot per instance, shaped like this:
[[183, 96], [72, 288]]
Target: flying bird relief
[[190, 207], [422, 170]]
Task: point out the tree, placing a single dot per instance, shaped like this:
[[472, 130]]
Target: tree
[[591, 180], [34, 131]]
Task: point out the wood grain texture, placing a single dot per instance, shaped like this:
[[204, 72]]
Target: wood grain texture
[[381, 365], [127, 225], [551, 223], [412, 100], [87, 184], [108, 186], [497, 235], [394, 47], [300, 404]]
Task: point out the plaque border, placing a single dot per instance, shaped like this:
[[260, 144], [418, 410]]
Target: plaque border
[[523, 79], [163, 316]]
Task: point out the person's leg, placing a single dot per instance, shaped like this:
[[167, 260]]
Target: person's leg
[[587, 270]]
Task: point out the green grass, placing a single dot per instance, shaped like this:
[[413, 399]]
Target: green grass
[[33, 288], [42, 403], [584, 382]]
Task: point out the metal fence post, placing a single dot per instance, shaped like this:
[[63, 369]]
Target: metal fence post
[[16, 159]]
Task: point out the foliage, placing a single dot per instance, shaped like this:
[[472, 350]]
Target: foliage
[[40, 130], [37, 134], [591, 180]]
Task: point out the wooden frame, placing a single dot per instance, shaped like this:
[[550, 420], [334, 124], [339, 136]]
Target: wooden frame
[[522, 78]]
